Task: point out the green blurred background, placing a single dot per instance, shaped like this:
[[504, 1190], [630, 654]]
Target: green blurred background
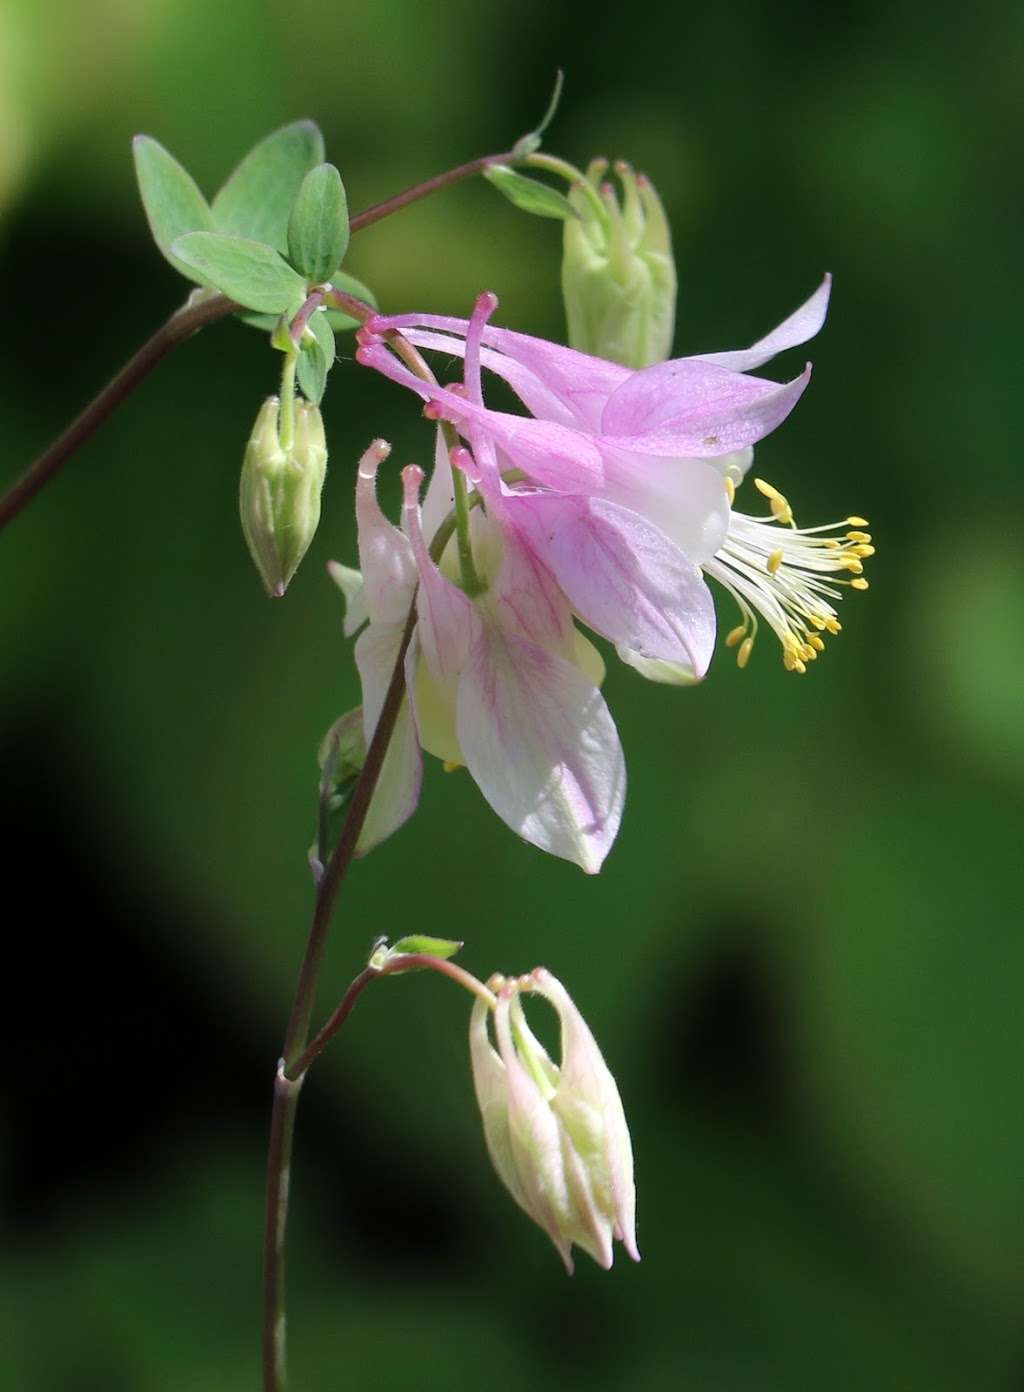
[[804, 958]]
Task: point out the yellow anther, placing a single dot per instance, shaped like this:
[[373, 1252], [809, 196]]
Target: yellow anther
[[858, 536], [863, 550], [766, 489], [819, 623], [816, 642], [799, 666], [859, 585], [851, 563], [781, 510], [735, 635], [730, 490], [857, 522], [832, 544], [774, 561], [745, 649], [833, 625], [450, 766], [808, 653]]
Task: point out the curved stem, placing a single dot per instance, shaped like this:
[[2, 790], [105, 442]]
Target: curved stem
[[405, 962], [418, 191]]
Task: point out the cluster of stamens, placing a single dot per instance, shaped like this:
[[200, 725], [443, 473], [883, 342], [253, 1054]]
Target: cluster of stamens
[[788, 575]]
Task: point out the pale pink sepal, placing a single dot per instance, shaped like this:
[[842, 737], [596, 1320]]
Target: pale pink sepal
[[691, 409], [623, 576], [398, 787], [542, 747], [801, 326], [491, 1086]]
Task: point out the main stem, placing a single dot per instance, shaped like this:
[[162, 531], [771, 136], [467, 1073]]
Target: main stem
[[286, 1090]]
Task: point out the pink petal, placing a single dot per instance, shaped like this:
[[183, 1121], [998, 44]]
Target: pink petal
[[802, 325], [385, 557], [688, 408], [398, 787], [542, 746], [624, 577]]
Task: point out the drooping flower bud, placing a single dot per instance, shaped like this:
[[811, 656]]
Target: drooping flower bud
[[556, 1133], [618, 275], [279, 497]]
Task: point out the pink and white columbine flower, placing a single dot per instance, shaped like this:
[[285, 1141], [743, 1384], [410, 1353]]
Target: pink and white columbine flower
[[503, 682], [622, 483]]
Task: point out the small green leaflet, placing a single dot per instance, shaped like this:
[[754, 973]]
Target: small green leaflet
[[316, 358], [529, 194], [251, 273], [318, 229], [421, 946], [257, 199], [170, 197]]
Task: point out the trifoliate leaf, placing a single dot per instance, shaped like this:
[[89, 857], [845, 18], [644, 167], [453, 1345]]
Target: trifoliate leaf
[[316, 358], [173, 203], [529, 194], [257, 199], [318, 228], [250, 272]]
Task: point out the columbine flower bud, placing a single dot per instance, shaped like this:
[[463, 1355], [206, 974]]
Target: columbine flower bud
[[556, 1134], [279, 498], [618, 275]]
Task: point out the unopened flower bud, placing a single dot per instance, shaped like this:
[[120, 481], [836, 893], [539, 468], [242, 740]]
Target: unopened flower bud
[[618, 275], [556, 1133], [279, 498]]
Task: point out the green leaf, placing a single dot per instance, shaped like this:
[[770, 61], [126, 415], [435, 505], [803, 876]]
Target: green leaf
[[249, 272], [170, 197], [316, 358], [341, 280], [318, 229], [529, 194], [257, 199]]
